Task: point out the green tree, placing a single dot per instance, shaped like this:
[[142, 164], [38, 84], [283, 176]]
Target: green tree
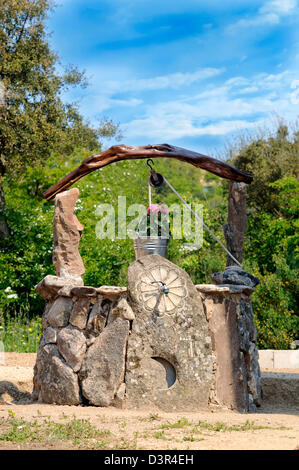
[[268, 160], [33, 118], [271, 242]]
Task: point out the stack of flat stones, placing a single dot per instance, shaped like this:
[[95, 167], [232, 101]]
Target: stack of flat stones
[[81, 355]]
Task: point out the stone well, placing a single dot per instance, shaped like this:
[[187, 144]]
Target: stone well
[[112, 345]]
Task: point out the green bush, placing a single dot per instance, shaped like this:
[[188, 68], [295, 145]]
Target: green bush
[[20, 334], [275, 306]]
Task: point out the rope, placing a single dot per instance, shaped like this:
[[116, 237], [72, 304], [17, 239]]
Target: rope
[[202, 222], [149, 195]]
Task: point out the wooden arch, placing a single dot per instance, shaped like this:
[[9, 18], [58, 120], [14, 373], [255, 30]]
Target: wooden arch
[[118, 153]]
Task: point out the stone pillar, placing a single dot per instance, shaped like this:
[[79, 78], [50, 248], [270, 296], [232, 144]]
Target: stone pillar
[[67, 232], [237, 379], [234, 230]]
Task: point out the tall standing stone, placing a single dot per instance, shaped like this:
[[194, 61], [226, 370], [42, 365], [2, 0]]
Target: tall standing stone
[[234, 230], [67, 232], [169, 356]]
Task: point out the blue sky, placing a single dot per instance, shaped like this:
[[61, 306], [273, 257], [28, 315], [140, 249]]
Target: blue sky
[[190, 73]]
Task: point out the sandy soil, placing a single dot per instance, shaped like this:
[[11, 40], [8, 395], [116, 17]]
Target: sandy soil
[[281, 424]]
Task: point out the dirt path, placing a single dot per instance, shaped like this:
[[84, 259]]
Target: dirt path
[[269, 428]]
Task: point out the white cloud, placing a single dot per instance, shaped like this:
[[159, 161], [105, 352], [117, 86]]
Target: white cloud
[[281, 7], [173, 81], [269, 14], [101, 98], [175, 128], [217, 111], [131, 102]]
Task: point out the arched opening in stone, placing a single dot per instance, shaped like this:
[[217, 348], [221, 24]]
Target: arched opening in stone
[[169, 370]]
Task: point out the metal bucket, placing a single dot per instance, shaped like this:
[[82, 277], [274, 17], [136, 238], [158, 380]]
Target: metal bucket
[[151, 246]]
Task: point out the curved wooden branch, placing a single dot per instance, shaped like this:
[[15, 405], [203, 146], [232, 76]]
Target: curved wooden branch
[[118, 153]]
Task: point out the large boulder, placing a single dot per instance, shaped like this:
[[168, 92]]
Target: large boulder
[[54, 380], [59, 313], [103, 367], [80, 312], [169, 355], [71, 344]]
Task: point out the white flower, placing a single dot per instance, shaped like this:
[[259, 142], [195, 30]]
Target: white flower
[[12, 296], [8, 289]]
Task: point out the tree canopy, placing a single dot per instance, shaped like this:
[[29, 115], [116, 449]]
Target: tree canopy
[[269, 159], [34, 120]]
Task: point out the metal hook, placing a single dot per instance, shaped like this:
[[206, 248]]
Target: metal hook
[[148, 164]]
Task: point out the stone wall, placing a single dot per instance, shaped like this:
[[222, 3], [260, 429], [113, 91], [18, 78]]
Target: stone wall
[[84, 357], [81, 355]]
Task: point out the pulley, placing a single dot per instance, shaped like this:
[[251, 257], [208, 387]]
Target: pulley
[[156, 179]]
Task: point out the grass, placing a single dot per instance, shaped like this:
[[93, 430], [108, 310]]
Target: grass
[[247, 426], [152, 417], [192, 439], [43, 432], [20, 334], [80, 432], [201, 426], [179, 424], [125, 444]]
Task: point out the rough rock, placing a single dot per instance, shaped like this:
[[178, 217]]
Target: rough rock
[[90, 340], [67, 232], [119, 399], [54, 380], [103, 367], [234, 231], [71, 344], [49, 336], [97, 318], [48, 306], [226, 288], [236, 276], [254, 374], [79, 313], [246, 328], [59, 313], [121, 309], [111, 292], [172, 330], [84, 291], [51, 286]]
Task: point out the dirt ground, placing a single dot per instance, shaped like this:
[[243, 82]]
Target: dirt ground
[[269, 428]]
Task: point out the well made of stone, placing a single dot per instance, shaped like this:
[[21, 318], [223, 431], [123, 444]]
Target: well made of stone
[[112, 345]]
